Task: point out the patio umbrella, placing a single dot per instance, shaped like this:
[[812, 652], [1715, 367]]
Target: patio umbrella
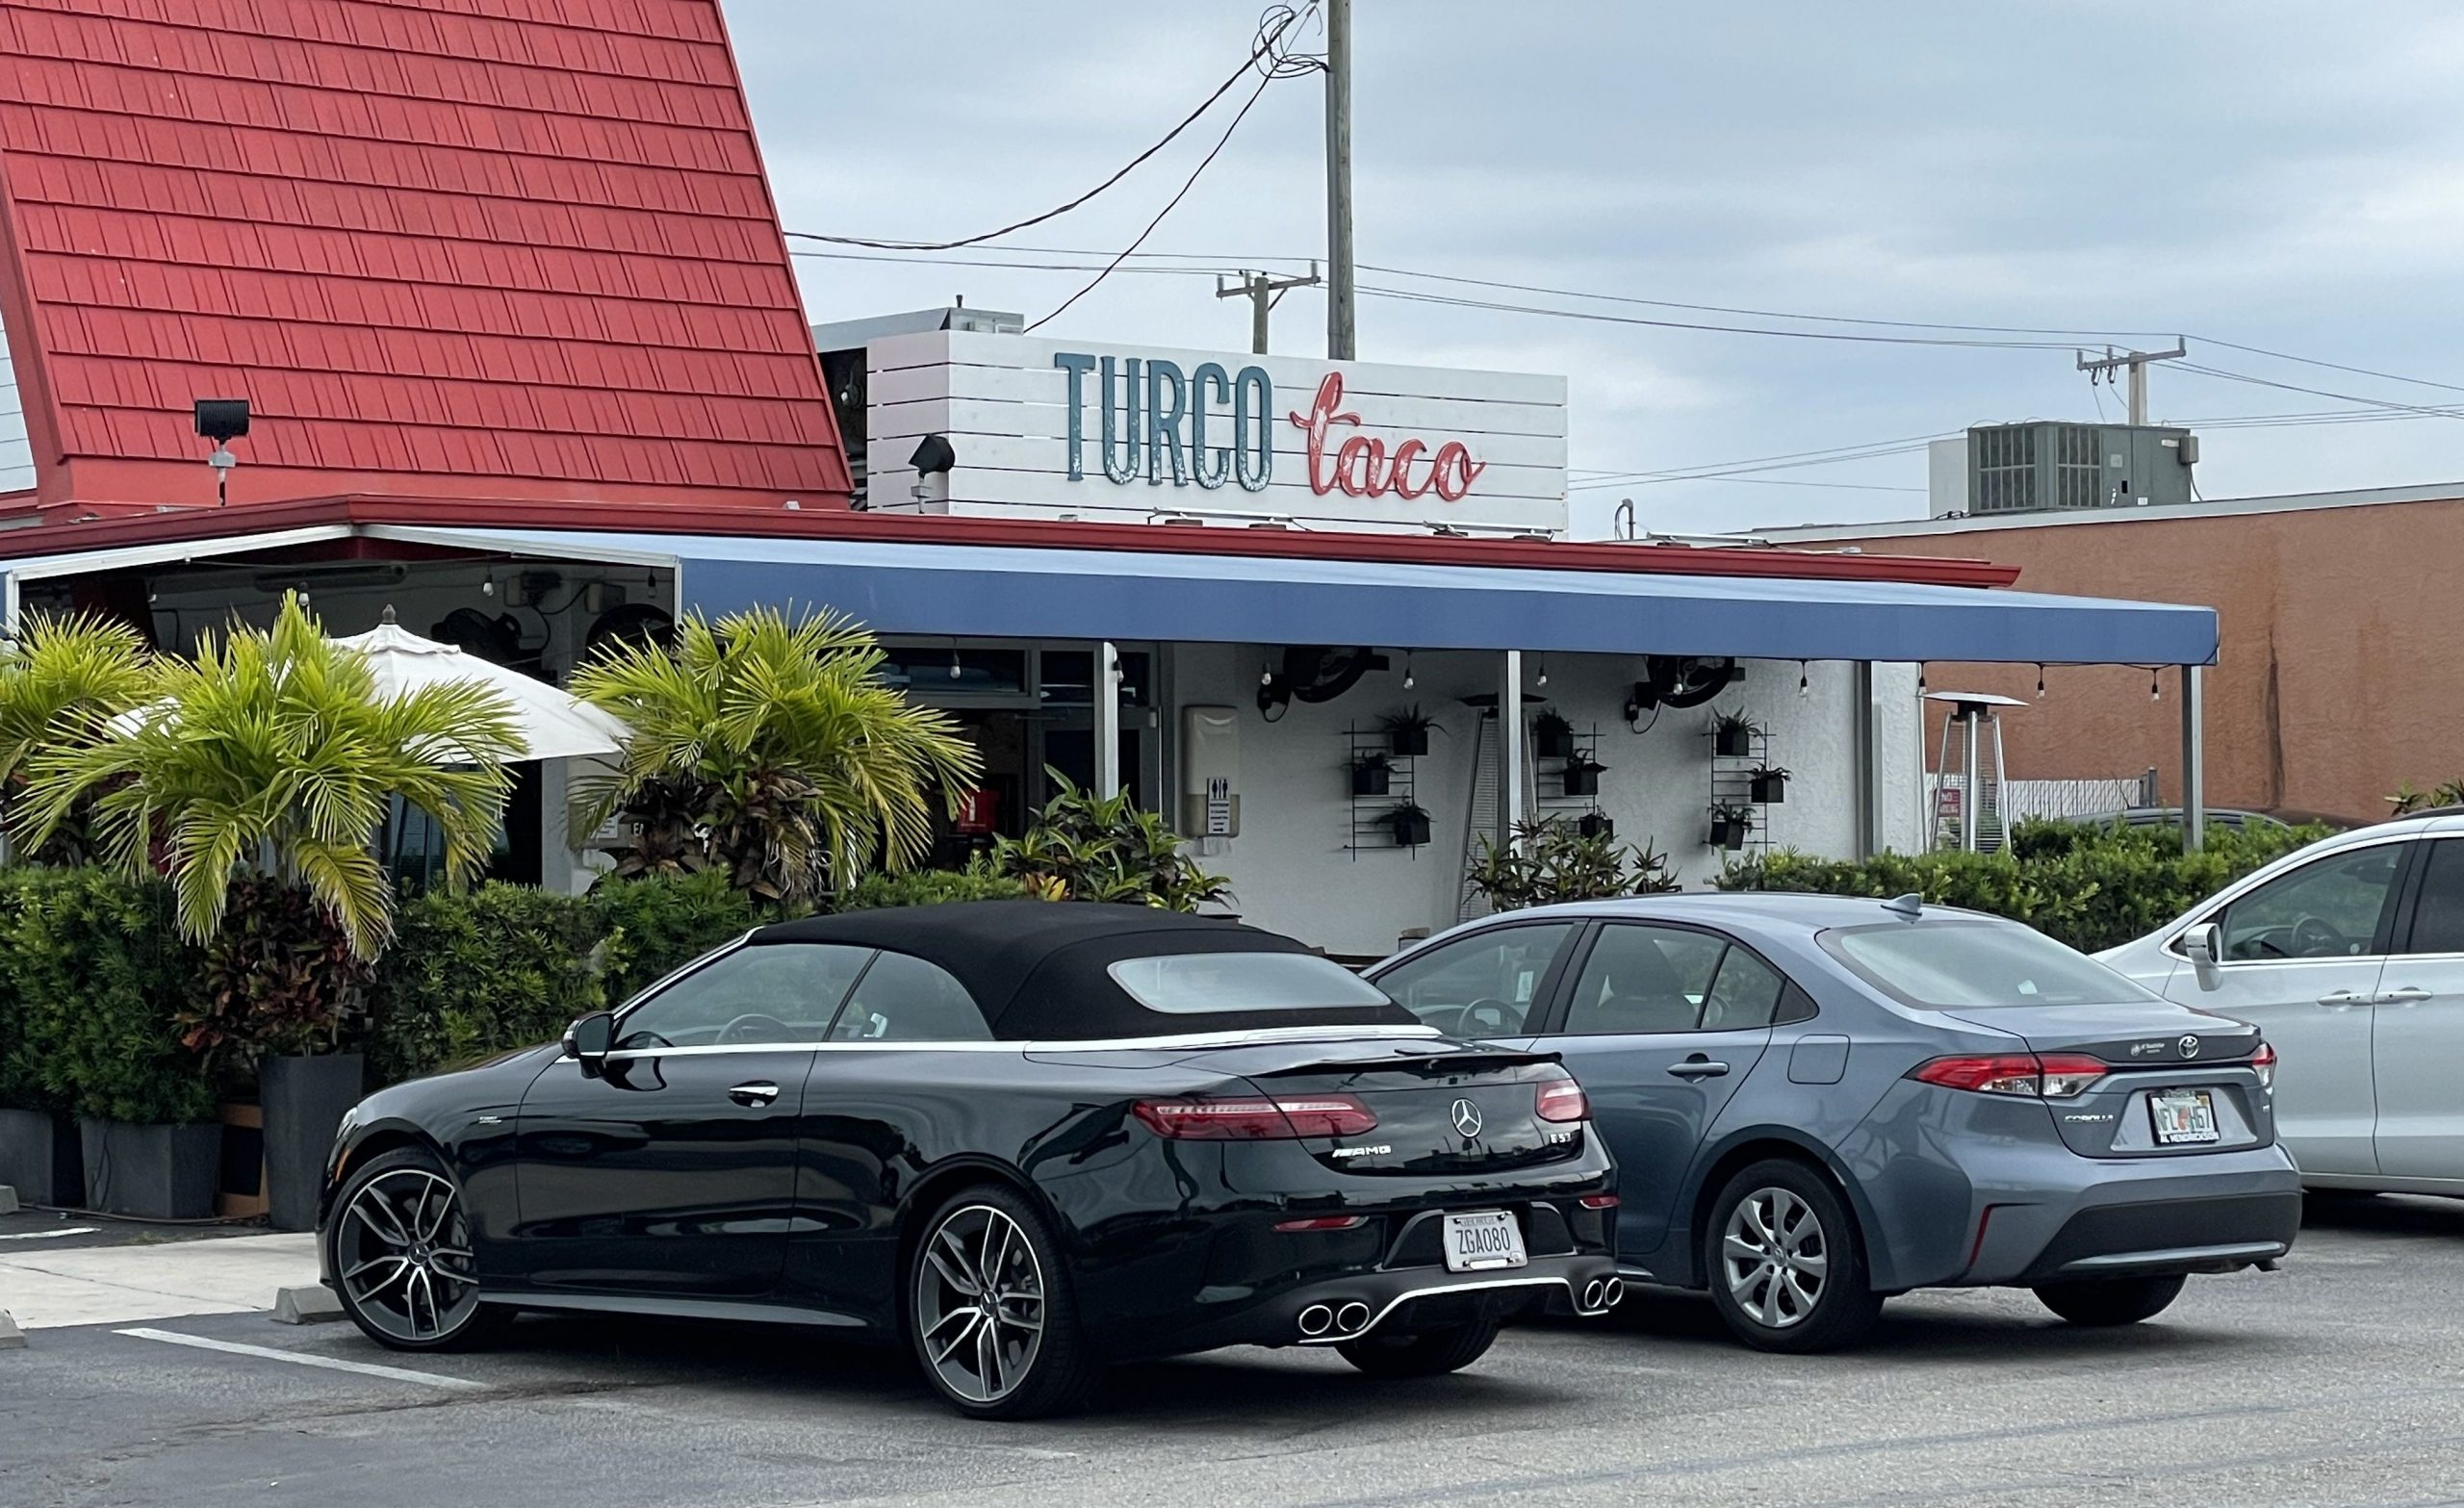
[[552, 725]]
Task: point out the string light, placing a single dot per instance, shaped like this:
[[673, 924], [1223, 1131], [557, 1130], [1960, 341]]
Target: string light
[[2040, 682], [954, 660], [1408, 681], [1266, 676], [1543, 669], [2155, 686], [1804, 687]]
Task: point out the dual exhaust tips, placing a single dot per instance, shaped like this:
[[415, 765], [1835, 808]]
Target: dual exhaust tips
[[1603, 1293], [1324, 1319]]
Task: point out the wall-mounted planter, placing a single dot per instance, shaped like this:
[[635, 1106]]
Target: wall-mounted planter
[[1411, 827], [1727, 833], [1553, 738], [1582, 779], [157, 1172], [1731, 743], [1372, 779], [1770, 790], [1596, 825], [1408, 742]]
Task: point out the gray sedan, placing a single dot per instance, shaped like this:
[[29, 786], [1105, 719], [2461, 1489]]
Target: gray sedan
[[1816, 1103]]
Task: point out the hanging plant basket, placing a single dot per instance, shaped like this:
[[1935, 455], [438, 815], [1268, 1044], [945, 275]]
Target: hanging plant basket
[[1373, 777], [1731, 743], [1582, 778], [1596, 825], [1410, 826], [1770, 787]]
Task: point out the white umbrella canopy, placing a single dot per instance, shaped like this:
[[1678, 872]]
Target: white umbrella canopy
[[551, 724]]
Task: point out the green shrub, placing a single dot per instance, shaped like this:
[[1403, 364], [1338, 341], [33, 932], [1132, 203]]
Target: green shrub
[[1085, 846], [656, 925], [101, 971], [979, 881], [468, 975], [20, 1080], [2091, 888]]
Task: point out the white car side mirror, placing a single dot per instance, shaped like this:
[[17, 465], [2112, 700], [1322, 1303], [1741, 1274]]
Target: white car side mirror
[[2204, 945]]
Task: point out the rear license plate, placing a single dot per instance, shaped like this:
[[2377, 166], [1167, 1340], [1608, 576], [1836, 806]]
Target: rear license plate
[[2183, 1116], [1477, 1243]]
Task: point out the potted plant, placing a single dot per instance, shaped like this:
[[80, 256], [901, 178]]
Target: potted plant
[[1372, 775], [1730, 824], [1408, 731], [1551, 861], [1770, 785], [1733, 734], [1582, 775], [1553, 737], [1595, 824], [1410, 825]]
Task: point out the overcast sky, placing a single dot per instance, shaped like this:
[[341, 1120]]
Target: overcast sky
[[2277, 174]]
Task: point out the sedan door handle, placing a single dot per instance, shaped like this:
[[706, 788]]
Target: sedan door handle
[[1697, 1068], [2409, 995], [2346, 997], [754, 1095]]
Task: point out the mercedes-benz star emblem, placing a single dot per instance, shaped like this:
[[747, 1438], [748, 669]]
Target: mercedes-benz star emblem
[[2189, 1046], [1466, 1118]]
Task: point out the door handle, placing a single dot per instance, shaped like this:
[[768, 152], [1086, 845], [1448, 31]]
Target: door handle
[[2409, 995], [2341, 998], [754, 1095], [1697, 1068]]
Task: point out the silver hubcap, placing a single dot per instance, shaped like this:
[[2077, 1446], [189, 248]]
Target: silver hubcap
[[979, 1303], [402, 1254], [1775, 1257]]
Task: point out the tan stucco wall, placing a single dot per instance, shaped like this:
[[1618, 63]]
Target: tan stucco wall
[[2340, 675]]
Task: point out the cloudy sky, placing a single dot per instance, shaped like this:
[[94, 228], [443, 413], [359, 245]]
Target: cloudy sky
[[2280, 175]]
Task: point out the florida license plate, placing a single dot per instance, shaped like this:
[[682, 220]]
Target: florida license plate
[[2183, 1116], [1478, 1242]]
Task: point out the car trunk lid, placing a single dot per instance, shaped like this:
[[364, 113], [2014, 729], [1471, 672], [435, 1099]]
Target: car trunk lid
[[2177, 1082], [1442, 1108]]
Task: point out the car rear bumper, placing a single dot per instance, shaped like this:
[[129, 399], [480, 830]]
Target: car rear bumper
[[2133, 1220], [1401, 1299]]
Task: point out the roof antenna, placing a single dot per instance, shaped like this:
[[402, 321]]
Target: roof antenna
[[1910, 905]]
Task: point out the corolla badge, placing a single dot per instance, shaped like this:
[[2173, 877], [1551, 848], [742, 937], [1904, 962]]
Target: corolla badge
[[2189, 1046], [1466, 1118]]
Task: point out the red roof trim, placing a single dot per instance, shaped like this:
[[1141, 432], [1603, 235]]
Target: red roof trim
[[654, 519]]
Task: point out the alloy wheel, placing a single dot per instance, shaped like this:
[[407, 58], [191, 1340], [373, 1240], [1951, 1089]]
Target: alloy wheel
[[402, 1254], [1775, 1257], [980, 1303]]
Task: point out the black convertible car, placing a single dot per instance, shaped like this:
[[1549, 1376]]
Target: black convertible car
[[1026, 1138]]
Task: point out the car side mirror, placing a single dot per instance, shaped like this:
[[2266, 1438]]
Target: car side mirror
[[2204, 946], [587, 1041]]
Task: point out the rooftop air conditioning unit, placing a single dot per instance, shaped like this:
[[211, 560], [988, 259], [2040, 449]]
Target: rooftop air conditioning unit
[[2042, 466]]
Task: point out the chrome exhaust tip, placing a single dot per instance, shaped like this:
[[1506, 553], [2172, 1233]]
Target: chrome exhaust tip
[[1315, 1321], [1591, 1294], [1353, 1316], [1613, 1292]]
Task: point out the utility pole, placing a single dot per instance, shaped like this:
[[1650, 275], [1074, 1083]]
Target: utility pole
[[2137, 362], [1340, 337], [1260, 289]]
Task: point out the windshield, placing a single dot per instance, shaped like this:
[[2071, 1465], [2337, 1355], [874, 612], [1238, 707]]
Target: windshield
[[1975, 965], [1210, 984]]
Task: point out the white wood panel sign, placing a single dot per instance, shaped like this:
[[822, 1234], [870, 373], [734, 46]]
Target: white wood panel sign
[[1044, 428]]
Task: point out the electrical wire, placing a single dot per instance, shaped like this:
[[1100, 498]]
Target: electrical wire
[[1409, 297], [2321, 392], [1268, 46]]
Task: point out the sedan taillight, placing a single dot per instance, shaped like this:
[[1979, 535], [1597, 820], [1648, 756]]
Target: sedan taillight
[[1261, 1119], [2051, 1075], [1562, 1099], [2263, 1063]]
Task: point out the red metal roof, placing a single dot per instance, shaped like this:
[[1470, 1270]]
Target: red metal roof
[[201, 525], [521, 247]]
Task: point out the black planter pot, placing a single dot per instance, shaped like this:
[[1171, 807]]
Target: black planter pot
[[1731, 743], [304, 1099], [1596, 825], [1372, 779], [1409, 742], [1771, 790], [158, 1172], [1730, 836], [1411, 829], [38, 1157], [1581, 779], [1553, 743]]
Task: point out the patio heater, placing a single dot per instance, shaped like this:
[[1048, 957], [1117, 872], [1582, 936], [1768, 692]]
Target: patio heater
[[1974, 715]]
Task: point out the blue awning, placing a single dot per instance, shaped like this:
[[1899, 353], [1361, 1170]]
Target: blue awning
[[1012, 592]]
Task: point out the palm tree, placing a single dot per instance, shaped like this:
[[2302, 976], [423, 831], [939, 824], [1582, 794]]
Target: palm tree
[[58, 679], [268, 757], [772, 747]]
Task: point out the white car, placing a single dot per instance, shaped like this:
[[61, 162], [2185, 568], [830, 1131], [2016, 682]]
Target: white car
[[2349, 956]]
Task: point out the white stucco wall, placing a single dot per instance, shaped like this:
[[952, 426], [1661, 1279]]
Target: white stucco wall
[[1289, 870]]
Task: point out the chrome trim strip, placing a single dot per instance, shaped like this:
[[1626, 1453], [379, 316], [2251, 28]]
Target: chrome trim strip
[[1123, 1044], [1573, 1296]]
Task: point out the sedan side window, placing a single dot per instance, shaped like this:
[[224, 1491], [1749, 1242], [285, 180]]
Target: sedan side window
[[1744, 994], [904, 999], [755, 995], [2329, 910], [1479, 985], [2438, 911], [1642, 979]]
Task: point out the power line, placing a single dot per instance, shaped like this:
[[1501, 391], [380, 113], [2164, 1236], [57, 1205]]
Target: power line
[[2322, 392], [2307, 361], [1269, 37], [1409, 297]]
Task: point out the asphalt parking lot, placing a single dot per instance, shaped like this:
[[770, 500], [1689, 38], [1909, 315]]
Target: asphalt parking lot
[[2338, 1381]]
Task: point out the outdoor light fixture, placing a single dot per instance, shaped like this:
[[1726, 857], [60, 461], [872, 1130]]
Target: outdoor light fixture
[[955, 672], [222, 421], [1804, 687], [1408, 681], [2155, 684], [934, 457], [1543, 669], [2040, 684], [1266, 676]]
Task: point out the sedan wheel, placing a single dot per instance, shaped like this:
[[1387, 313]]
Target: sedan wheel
[[1785, 1265], [400, 1252], [991, 1314]]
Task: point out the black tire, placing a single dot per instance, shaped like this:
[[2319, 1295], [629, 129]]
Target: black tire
[[433, 1258], [1421, 1353], [2112, 1301], [1060, 1369], [1765, 1303]]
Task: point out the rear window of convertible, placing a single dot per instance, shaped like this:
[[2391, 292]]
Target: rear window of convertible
[[1214, 983], [1975, 965]]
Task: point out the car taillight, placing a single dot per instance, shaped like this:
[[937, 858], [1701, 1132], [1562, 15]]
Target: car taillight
[[1278, 1119], [2054, 1076], [1562, 1099], [2263, 1063], [1600, 1201], [1323, 1222]]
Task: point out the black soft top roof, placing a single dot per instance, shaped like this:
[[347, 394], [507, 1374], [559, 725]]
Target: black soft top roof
[[1037, 968]]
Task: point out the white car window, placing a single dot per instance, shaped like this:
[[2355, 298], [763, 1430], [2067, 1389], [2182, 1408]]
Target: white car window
[[2331, 908]]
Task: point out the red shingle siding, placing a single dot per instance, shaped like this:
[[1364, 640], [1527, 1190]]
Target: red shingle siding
[[437, 243]]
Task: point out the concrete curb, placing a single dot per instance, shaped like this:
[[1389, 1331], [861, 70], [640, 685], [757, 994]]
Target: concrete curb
[[8, 1200], [12, 1338], [314, 1304]]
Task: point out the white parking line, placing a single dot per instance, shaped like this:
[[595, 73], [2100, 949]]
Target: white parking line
[[45, 1235], [329, 1363]]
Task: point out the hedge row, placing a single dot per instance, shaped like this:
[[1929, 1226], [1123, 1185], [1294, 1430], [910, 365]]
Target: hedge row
[[2091, 888]]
